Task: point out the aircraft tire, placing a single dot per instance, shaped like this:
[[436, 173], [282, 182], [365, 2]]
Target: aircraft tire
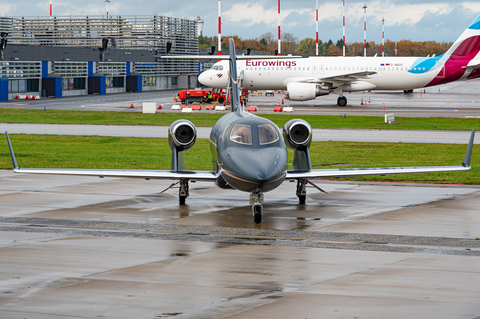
[[182, 199], [302, 199], [257, 215], [342, 101]]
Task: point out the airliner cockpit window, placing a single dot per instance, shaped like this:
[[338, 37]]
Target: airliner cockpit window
[[241, 134], [220, 67], [267, 134]]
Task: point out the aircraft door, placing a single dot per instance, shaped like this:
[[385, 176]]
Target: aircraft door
[[440, 68]]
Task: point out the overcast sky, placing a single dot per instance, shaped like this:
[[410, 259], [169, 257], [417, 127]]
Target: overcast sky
[[418, 20]]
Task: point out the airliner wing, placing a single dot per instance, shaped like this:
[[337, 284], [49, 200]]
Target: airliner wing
[[347, 77], [145, 174], [355, 172]]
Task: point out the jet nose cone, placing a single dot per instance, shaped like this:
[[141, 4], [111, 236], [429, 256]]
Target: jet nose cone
[[258, 168], [203, 78]]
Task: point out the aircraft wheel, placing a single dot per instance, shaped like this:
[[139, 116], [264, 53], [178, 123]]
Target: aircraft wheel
[[342, 101], [257, 214], [302, 198], [182, 200]]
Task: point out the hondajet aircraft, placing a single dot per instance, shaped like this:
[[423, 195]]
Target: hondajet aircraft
[[305, 79], [249, 154]]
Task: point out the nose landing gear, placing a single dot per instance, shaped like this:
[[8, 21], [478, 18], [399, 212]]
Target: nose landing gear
[[256, 199]]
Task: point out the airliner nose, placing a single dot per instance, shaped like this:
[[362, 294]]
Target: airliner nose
[[203, 78]]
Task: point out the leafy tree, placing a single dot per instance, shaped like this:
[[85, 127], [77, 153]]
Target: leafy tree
[[339, 44], [333, 50]]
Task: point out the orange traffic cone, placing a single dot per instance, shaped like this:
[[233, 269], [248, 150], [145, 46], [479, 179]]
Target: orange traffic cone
[[283, 101], [131, 106], [438, 90], [361, 102], [383, 108]]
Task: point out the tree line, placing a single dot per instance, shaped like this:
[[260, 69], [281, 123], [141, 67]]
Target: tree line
[[267, 43]]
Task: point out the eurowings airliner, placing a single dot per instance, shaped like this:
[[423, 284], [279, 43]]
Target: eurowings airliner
[[306, 78]]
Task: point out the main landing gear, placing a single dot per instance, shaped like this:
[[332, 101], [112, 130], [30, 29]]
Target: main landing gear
[[342, 101], [183, 194], [302, 190], [256, 199]]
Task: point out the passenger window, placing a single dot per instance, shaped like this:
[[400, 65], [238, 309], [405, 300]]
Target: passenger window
[[267, 134], [241, 134]]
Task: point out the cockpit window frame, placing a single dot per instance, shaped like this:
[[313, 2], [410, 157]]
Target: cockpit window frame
[[272, 130], [238, 142]]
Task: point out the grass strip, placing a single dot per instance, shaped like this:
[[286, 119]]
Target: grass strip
[[60, 151], [14, 115]]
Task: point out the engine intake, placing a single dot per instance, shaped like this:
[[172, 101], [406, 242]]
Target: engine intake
[[182, 135], [297, 134], [304, 91]]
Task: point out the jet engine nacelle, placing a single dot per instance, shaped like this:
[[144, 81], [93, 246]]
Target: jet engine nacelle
[[182, 135], [304, 91], [297, 134]]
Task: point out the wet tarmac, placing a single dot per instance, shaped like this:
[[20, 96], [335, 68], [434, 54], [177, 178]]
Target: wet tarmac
[[82, 247]]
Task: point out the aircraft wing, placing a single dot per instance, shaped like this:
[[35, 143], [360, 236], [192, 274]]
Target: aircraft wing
[[346, 77], [145, 174], [355, 172]]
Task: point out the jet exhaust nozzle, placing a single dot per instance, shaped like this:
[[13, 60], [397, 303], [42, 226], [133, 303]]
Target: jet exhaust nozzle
[[182, 135], [297, 134]]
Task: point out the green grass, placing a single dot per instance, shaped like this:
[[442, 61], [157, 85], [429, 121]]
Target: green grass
[[13, 115], [36, 151]]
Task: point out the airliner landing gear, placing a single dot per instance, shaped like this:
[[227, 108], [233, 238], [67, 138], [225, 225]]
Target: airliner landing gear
[[407, 91], [302, 190], [183, 194], [342, 101], [256, 199]]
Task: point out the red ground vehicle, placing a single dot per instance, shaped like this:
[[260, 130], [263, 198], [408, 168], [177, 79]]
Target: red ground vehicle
[[202, 96]]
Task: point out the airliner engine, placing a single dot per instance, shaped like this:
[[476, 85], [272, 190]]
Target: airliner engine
[[182, 135], [304, 91], [297, 134]]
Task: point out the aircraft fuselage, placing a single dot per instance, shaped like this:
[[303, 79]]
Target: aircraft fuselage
[[249, 152]]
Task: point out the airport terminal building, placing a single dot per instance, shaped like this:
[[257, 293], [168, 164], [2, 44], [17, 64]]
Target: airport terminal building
[[80, 55]]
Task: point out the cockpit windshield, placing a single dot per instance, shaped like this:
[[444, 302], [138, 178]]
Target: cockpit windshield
[[267, 134], [241, 134], [217, 67]]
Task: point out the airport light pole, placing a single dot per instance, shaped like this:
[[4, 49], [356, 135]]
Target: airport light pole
[[383, 37], [365, 32], [316, 28], [107, 1], [219, 30], [343, 27], [279, 27]]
